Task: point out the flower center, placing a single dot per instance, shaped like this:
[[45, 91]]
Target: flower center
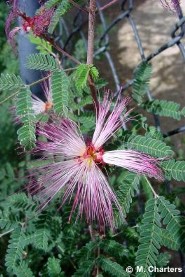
[[28, 24], [92, 154], [48, 106]]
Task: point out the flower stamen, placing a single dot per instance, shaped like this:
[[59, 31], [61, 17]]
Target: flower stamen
[[92, 154], [48, 106]]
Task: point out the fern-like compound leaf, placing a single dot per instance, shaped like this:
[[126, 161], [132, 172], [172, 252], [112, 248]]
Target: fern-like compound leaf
[[39, 239], [87, 122], [26, 133], [151, 146], [150, 238], [62, 8], [53, 267], [183, 112], [94, 72], [174, 169], [13, 205], [163, 259], [127, 188], [142, 77], [114, 248], [42, 62], [173, 221], [84, 269], [23, 270], [50, 3], [81, 76], [112, 268], [60, 87], [164, 108], [168, 241], [10, 82], [15, 250], [43, 46]]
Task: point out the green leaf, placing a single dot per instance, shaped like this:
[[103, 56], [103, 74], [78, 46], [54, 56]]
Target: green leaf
[[43, 46], [87, 251], [50, 3], [112, 268], [142, 77], [39, 239], [42, 62], [81, 76], [15, 250], [173, 221], [23, 270], [146, 187], [60, 87], [13, 207], [168, 241], [164, 108], [150, 237], [94, 72], [62, 8], [116, 249], [129, 184], [163, 259], [20, 201], [86, 100], [174, 169], [10, 82], [53, 267], [183, 112], [87, 121], [153, 147], [26, 133], [84, 269]]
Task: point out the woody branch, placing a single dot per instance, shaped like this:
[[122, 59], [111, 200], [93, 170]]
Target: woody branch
[[90, 46]]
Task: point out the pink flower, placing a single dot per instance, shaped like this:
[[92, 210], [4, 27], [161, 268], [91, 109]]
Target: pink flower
[[172, 5], [43, 106], [77, 165], [39, 106], [37, 24]]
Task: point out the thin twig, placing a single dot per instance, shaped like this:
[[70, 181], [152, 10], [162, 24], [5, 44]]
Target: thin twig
[[91, 31], [108, 5], [7, 232], [90, 47], [59, 49], [91, 233], [155, 194], [9, 97], [32, 84], [77, 6], [29, 85], [39, 81]]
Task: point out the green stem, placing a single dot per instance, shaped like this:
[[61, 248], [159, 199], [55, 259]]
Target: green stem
[[9, 97], [7, 232], [148, 183]]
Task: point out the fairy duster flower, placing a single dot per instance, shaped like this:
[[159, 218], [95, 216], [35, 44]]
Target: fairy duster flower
[[43, 106], [77, 164], [38, 24], [172, 5]]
